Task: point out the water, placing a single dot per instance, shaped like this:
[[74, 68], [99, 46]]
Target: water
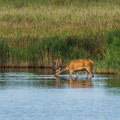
[[36, 94]]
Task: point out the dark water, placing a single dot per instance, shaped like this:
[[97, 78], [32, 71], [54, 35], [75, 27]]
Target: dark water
[[35, 94]]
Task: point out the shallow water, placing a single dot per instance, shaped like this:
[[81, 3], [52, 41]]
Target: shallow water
[[36, 94]]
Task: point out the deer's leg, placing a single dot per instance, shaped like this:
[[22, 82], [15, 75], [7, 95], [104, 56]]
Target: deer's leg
[[76, 74], [71, 81], [90, 71], [86, 74], [71, 71]]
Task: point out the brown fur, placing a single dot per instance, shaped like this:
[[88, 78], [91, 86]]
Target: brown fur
[[76, 66]]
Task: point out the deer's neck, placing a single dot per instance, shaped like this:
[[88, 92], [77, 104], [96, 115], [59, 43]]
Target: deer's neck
[[64, 68]]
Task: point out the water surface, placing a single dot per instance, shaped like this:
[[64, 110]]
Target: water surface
[[36, 94]]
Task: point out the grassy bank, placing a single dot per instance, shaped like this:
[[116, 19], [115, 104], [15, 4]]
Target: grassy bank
[[34, 33]]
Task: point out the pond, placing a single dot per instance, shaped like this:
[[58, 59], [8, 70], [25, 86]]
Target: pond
[[36, 94]]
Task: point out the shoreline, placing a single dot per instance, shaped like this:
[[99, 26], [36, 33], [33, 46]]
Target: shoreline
[[50, 68]]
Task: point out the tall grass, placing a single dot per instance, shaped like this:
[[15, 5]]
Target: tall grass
[[35, 32], [112, 56], [111, 60]]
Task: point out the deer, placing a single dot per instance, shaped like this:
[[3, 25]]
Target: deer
[[75, 66]]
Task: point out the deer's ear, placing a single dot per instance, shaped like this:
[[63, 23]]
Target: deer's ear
[[60, 68], [54, 68]]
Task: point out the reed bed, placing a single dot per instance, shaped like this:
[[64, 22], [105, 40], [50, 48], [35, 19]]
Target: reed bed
[[34, 33]]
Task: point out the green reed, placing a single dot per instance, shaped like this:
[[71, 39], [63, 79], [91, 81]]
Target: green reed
[[35, 32]]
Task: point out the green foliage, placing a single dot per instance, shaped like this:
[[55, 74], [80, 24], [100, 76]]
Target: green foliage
[[55, 2], [35, 32], [17, 54], [4, 52], [112, 55], [66, 48]]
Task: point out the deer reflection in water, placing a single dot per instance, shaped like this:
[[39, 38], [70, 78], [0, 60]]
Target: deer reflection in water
[[74, 83]]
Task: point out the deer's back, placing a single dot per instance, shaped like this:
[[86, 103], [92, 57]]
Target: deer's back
[[79, 64]]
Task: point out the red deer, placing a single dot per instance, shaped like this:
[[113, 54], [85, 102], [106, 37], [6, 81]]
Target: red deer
[[76, 66]]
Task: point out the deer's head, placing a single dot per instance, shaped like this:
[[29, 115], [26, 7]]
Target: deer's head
[[58, 70], [57, 66]]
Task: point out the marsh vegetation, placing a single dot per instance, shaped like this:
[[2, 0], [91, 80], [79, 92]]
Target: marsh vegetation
[[35, 32]]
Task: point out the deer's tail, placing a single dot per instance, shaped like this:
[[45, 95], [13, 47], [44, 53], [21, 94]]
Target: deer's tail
[[91, 61]]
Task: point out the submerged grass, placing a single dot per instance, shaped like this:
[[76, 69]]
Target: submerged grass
[[35, 32]]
